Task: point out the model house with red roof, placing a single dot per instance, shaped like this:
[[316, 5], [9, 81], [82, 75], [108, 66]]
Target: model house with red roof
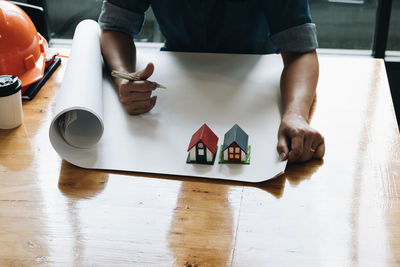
[[203, 146]]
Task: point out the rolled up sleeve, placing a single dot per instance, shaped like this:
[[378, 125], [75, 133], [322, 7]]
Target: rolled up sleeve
[[290, 25], [301, 38], [123, 16]]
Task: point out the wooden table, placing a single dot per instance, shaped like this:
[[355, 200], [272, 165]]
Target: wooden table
[[342, 211]]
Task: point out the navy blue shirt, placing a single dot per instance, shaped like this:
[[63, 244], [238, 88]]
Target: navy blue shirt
[[224, 26]]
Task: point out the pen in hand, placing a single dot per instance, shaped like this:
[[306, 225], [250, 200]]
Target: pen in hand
[[131, 77]]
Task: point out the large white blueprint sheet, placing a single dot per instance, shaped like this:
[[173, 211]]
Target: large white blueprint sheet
[[217, 89]]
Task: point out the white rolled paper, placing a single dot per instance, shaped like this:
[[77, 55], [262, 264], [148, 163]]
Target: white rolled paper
[[79, 111]]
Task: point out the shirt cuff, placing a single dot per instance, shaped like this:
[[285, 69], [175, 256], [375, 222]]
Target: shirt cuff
[[301, 38], [115, 18]]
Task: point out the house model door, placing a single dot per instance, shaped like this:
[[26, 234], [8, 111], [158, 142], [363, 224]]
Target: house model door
[[200, 152]]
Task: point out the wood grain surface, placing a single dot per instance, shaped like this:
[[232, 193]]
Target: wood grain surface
[[342, 211]]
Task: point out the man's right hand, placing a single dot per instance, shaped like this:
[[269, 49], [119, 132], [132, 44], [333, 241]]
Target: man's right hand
[[135, 96]]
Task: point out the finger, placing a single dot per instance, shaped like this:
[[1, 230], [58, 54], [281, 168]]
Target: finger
[[318, 140], [135, 105], [296, 149], [141, 110], [142, 86], [282, 147], [307, 154], [126, 99], [146, 72], [320, 151], [137, 86]]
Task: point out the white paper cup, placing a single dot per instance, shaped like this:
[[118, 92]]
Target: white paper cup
[[10, 102]]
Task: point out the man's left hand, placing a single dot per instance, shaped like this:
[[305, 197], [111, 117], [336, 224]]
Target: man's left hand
[[297, 141]]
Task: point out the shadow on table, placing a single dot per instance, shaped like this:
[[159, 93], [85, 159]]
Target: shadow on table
[[202, 230], [203, 223], [77, 183], [294, 174]]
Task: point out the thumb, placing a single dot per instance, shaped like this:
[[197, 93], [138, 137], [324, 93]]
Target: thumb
[[282, 147], [146, 72]]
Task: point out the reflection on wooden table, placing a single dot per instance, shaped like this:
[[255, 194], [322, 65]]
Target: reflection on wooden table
[[342, 211]]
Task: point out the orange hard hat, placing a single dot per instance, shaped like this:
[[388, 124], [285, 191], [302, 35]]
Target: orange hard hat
[[22, 48]]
